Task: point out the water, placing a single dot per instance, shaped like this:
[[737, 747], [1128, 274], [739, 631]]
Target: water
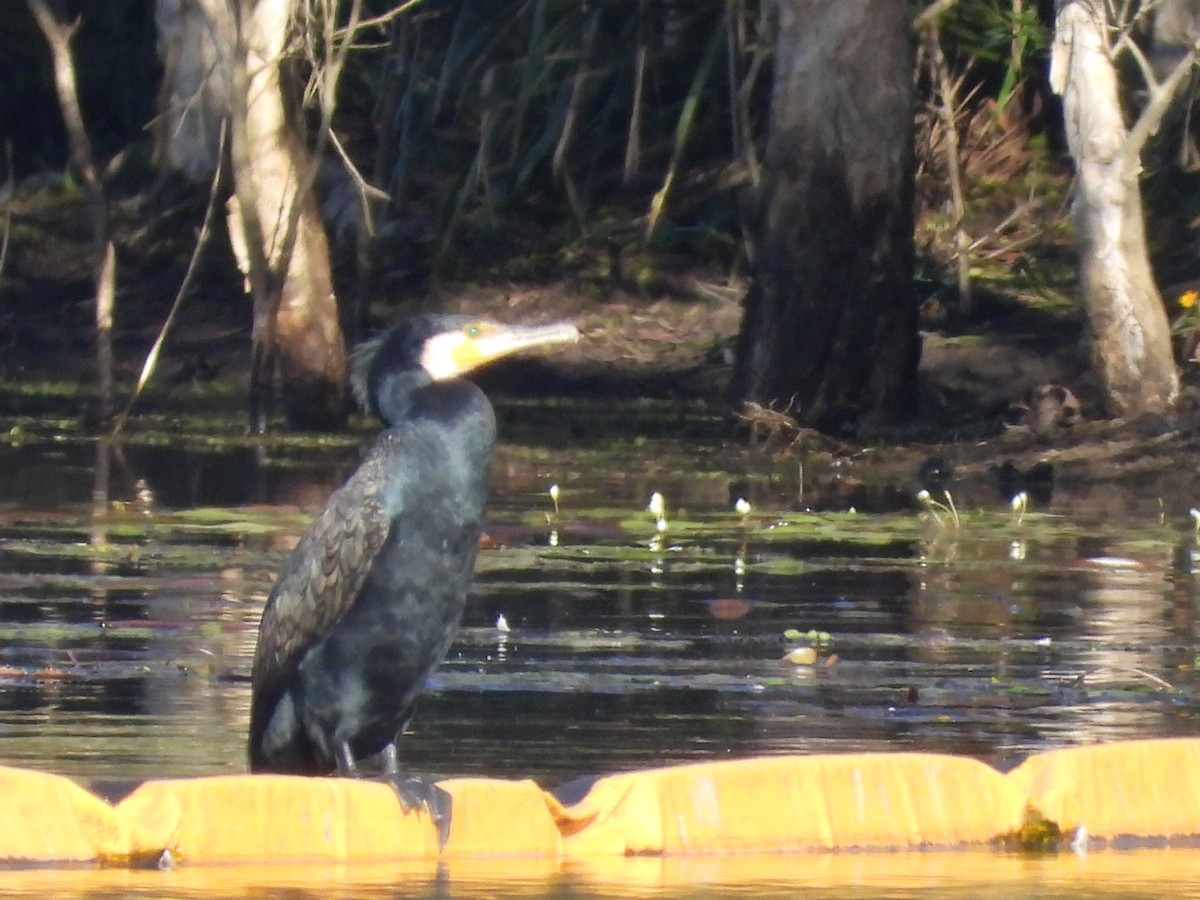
[[850, 876], [132, 580]]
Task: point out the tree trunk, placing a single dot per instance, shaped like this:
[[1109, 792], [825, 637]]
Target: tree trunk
[[295, 311], [59, 33], [195, 39], [274, 222], [1131, 343], [830, 328]]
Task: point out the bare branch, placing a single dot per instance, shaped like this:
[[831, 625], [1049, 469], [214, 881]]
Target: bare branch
[[214, 195], [1127, 43], [383, 19], [1160, 98], [367, 192], [947, 110], [932, 13], [58, 35], [1122, 17], [1020, 211]]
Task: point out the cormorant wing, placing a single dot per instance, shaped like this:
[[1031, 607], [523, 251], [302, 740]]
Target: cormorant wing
[[320, 580]]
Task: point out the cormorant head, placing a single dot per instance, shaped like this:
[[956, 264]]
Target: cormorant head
[[427, 348]]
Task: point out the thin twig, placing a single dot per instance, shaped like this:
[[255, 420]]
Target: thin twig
[[152, 356], [1161, 682], [932, 13], [382, 19], [1020, 210], [1160, 96], [948, 112], [367, 192]]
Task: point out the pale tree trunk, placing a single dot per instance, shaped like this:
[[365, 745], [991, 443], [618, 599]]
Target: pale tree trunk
[[195, 40], [1131, 347], [233, 57], [58, 33], [276, 214]]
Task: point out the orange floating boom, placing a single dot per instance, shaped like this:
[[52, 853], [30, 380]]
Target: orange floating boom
[[1139, 789]]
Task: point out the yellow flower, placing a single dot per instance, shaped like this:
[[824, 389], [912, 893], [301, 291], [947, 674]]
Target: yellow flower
[[1188, 298]]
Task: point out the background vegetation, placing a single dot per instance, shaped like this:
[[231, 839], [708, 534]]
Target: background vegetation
[[609, 142]]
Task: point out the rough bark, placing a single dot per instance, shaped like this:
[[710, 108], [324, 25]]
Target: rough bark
[[830, 328], [1131, 344], [234, 55]]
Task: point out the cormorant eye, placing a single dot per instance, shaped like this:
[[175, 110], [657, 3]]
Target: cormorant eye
[[475, 329]]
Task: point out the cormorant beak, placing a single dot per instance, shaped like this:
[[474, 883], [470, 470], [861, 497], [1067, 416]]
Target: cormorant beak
[[454, 353]]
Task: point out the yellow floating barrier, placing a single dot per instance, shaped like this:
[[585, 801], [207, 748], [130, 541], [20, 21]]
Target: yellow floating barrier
[[868, 800], [1139, 789], [47, 818], [232, 818], [500, 818], [289, 818], [1148, 790]]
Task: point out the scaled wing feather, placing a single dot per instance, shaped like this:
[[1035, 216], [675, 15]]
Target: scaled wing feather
[[320, 581]]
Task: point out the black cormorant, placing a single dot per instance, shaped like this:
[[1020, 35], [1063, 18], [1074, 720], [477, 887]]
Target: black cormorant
[[370, 600]]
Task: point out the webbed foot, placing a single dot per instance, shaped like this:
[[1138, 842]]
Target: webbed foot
[[415, 792]]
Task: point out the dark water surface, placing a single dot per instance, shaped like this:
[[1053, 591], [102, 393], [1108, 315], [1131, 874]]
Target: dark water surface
[[132, 580]]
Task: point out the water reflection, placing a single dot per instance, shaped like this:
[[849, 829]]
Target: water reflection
[[128, 613], [921, 876]]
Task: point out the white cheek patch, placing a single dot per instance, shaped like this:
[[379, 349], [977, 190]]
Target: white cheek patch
[[438, 355]]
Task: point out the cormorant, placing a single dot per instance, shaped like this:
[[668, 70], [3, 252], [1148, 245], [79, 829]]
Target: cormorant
[[370, 600]]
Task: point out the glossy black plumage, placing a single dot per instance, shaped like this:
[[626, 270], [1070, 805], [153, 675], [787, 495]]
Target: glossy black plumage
[[370, 600]]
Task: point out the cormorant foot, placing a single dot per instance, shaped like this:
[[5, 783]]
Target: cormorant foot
[[415, 792]]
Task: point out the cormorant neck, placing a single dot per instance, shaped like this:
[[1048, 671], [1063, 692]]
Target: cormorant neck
[[453, 403], [460, 412], [394, 397]]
